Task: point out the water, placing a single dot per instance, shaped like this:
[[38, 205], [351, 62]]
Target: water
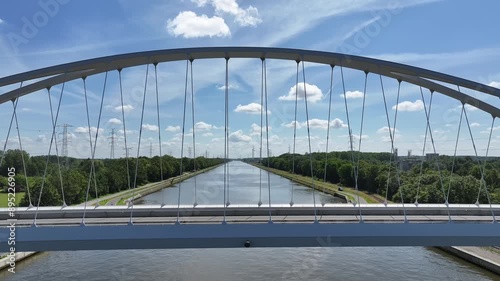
[[360, 263], [245, 187]]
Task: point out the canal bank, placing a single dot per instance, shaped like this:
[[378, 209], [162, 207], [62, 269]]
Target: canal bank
[[5, 261], [167, 183], [348, 195], [485, 257], [122, 197]]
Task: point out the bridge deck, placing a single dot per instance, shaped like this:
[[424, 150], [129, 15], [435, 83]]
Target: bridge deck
[[251, 219], [108, 227], [338, 211]]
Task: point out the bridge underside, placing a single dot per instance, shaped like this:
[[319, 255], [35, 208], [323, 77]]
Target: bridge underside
[[235, 235]]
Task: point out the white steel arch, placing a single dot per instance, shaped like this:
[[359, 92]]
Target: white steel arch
[[418, 76]]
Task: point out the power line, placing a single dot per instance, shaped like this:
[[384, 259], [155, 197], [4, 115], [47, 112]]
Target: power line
[[64, 153], [150, 149], [113, 139]]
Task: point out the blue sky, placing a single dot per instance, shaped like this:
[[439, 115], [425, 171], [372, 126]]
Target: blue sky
[[454, 37]]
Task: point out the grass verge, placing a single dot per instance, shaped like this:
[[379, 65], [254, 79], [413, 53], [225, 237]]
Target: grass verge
[[327, 187], [4, 199]]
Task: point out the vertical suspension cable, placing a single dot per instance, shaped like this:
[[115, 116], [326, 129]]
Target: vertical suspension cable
[[158, 118], [350, 139], [226, 136], [92, 164], [57, 150], [392, 151], [425, 142], [48, 154], [92, 167], [14, 104], [356, 175], [194, 134], [131, 202], [437, 159], [392, 143], [227, 126], [14, 117], [309, 140], [482, 167], [181, 168], [261, 129], [454, 154], [267, 141], [8, 134], [124, 127], [92, 174], [328, 131], [295, 127]]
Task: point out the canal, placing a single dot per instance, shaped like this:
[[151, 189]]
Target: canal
[[358, 263]]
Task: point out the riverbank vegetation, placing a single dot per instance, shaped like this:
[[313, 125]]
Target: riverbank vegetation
[[378, 175], [110, 175]]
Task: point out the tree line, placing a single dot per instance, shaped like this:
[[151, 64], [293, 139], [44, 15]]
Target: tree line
[[110, 175], [378, 173]]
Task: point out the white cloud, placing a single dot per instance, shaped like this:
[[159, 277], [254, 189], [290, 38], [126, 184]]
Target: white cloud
[[318, 124], [1, 21], [255, 130], [173, 128], [314, 93], [252, 108], [93, 130], [385, 130], [244, 17], [494, 84], [126, 108], [353, 95], [26, 109], [292, 124], [230, 87], [418, 105], [202, 126], [388, 138], [487, 130], [475, 125], [323, 124], [149, 127], [208, 135], [239, 136], [128, 132], [41, 138], [188, 25], [356, 137], [115, 121]]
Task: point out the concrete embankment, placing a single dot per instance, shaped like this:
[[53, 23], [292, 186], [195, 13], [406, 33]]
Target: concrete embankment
[[5, 262], [480, 256]]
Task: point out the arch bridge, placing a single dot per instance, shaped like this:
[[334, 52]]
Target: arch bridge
[[192, 217]]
